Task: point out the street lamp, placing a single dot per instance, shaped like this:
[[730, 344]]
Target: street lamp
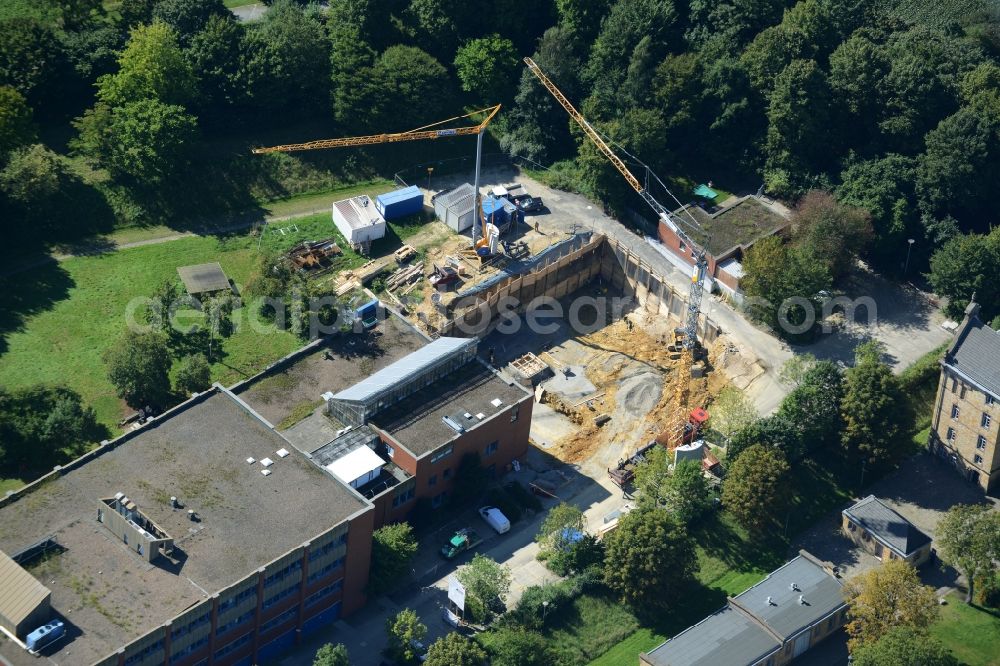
[[430, 170], [909, 247], [545, 609], [590, 210]]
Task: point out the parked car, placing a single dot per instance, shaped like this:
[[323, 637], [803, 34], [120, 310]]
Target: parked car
[[495, 518], [530, 204], [463, 540]]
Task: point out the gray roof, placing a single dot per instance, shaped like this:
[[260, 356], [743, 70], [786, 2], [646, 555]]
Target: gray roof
[[459, 200], [725, 638], [976, 354], [203, 278], [785, 616], [20, 593], [890, 527], [404, 369], [197, 453], [358, 212]]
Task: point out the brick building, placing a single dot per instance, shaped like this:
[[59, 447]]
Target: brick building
[[727, 235], [199, 539], [884, 533], [966, 422]]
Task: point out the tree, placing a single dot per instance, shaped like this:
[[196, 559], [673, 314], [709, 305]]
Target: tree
[[419, 84], [16, 126], [799, 127], [286, 61], [813, 406], [582, 18], [434, 22], [454, 649], [152, 66], [731, 411], [32, 61], [486, 67], [139, 368], [194, 375], [35, 179], [858, 68], [874, 410], [885, 597], [393, 548], [136, 12], [515, 646], [832, 232], [332, 655], [902, 646], [965, 265], [682, 491], [649, 559], [558, 529], [353, 85], [485, 581], [214, 53], [146, 141], [188, 17], [404, 630], [968, 538], [755, 486]]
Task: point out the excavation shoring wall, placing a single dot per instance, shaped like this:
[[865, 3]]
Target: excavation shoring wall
[[622, 272]]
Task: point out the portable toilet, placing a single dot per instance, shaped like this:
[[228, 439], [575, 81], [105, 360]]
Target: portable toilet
[[367, 314], [400, 203]]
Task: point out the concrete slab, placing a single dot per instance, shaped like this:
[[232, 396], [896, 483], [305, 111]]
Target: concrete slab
[[312, 432], [570, 383], [548, 426]]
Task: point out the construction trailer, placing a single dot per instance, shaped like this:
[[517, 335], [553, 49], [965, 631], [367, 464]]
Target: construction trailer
[[359, 221], [457, 207], [400, 203]]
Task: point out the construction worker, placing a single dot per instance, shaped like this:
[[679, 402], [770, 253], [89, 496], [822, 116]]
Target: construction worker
[[536, 226]]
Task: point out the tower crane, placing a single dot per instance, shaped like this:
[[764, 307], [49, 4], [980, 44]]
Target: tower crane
[[673, 436], [432, 131]]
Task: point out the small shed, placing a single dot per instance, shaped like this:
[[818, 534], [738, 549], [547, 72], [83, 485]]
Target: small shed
[[24, 602], [359, 221], [204, 279], [498, 210], [456, 208], [400, 203], [884, 533], [357, 467]]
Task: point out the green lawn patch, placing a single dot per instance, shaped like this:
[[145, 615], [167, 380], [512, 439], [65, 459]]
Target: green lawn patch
[[971, 633], [589, 627], [240, 3], [10, 484], [628, 650], [298, 413]]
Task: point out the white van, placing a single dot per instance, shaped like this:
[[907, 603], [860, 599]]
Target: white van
[[495, 518]]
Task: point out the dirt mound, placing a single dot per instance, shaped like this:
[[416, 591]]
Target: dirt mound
[[639, 394]]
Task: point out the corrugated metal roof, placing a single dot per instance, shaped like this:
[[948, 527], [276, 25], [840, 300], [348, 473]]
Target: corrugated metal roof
[[785, 615], [976, 354], [897, 532], [725, 638], [359, 212], [20, 593], [203, 278], [459, 200], [404, 194], [403, 369]]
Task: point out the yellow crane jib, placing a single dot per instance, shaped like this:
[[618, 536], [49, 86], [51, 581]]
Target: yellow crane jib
[[417, 134]]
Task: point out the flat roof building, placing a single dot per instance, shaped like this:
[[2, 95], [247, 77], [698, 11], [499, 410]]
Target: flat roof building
[[796, 606], [238, 578]]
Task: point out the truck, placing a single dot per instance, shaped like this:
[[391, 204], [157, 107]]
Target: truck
[[461, 541]]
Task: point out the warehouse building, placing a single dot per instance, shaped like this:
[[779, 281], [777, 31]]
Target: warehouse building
[[203, 538], [778, 619]]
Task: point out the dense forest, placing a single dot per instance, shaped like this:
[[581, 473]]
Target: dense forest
[[142, 111]]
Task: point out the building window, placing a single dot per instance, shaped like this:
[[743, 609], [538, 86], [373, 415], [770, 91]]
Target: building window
[[514, 414], [954, 411], [279, 620], [950, 436], [829, 623], [492, 447], [981, 443], [433, 480], [438, 500], [978, 459], [961, 393], [100, 516], [990, 400], [235, 622], [234, 646], [281, 595], [850, 526], [986, 420], [447, 473], [319, 573], [682, 247], [954, 384], [443, 453], [390, 451]]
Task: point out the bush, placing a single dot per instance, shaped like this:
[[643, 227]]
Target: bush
[[987, 591], [529, 610], [523, 497]]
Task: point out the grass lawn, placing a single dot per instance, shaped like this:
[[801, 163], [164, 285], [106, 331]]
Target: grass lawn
[[56, 320], [972, 634], [240, 3], [589, 627]]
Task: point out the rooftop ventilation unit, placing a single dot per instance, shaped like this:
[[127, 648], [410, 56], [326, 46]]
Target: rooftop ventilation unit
[[281, 453], [251, 460], [802, 600], [119, 495], [793, 587], [496, 402], [265, 472], [770, 601], [480, 416], [457, 427], [266, 462]]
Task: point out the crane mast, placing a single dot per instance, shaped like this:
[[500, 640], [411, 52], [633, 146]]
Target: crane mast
[[673, 436]]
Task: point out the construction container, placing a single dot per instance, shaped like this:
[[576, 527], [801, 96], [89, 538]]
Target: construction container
[[456, 207], [495, 211], [400, 203], [359, 221]]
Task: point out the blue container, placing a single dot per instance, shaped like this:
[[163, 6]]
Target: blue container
[[400, 203], [495, 211], [44, 635]]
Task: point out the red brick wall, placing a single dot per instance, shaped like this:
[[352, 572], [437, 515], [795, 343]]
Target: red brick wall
[[357, 562]]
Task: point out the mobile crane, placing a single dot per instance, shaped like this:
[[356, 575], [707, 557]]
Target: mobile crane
[[420, 133], [673, 436]]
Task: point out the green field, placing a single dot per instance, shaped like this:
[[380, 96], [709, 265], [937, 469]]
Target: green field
[[972, 634], [59, 318]]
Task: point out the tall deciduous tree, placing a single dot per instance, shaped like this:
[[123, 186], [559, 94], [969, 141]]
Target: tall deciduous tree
[[214, 53], [518, 647], [968, 538], [393, 548], [649, 559], [332, 655], [32, 61], [16, 126], [152, 66], [486, 67], [354, 89], [404, 630], [420, 85], [139, 368], [194, 375], [755, 486], [187, 17], [731, 410], [830, 231], [557, 530], [485, 580], [903, 646], [886, 597], [454, 649], [582, 18], [873, 408], [813, 406], [965, 265], [43, 425]]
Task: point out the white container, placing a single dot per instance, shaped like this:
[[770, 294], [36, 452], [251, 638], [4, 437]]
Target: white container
[[495, 518]]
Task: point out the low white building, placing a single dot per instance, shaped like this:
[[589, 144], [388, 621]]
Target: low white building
[[359, 221]]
